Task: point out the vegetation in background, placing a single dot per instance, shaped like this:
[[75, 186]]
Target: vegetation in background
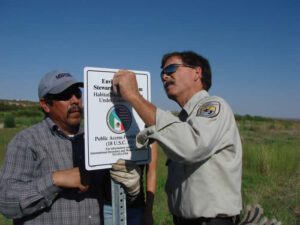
[[271, 168], [24, 113], [9, 121]]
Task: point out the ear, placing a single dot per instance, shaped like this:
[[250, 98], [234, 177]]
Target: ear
[[198, 73], [44, 106]]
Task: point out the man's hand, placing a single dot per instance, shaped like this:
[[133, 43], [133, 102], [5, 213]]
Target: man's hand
[[124, 83], [70, 178], [128, 174], [253, 215]]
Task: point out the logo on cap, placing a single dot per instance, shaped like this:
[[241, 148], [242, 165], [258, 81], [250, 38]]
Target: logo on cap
[[119, 119], [61, 75]]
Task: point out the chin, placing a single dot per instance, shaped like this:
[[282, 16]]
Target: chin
[[171, 96], [75, 121]]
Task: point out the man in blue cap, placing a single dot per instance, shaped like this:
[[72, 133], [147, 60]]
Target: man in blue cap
[[43, 179]]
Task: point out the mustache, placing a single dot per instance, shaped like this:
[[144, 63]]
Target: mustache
[[168, 82], [74, 108]]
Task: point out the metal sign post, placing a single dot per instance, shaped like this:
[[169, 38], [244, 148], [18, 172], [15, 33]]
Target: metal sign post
[[118, 196]]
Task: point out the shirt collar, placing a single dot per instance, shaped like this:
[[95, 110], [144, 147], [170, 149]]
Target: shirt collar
[[55, 129], [190, 105]]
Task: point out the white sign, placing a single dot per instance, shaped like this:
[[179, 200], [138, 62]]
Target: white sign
[[111, 124]]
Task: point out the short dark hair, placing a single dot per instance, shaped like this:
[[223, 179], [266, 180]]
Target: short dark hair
[[193, 59], [48, 98]]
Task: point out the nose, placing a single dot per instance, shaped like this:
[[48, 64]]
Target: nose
[[164, 77]]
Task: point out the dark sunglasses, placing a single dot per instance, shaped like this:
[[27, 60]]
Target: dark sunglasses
[[67, 94], [172, 68]]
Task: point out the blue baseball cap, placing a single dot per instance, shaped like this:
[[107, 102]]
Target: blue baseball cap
[[55, 82]]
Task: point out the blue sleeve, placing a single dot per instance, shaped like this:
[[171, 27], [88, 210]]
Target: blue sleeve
[[21, 192]]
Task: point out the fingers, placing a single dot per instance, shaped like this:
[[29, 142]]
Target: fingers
[[252, 214], [123, 175], [115, 89], [127, 173], [70, 178], [257, 212], [124, 171], [115, 84], [125, 166], [123, 178], [119, 165], [120, 179], [124, 84], [83, 188]]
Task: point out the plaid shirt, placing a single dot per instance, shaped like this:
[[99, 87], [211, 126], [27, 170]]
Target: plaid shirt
[[27, 192]]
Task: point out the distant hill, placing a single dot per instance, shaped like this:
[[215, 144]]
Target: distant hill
[[22, 103], [13, 105]]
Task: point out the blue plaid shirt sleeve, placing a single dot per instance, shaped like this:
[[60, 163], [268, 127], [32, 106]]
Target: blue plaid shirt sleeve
[[21, 193]]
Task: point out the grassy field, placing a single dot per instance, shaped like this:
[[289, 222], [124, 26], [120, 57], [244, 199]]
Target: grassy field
[[271, 168]]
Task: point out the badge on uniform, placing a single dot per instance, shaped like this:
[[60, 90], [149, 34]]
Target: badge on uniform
[[209, 109]]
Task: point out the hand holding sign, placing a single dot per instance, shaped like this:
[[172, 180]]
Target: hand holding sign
[[124, 83]]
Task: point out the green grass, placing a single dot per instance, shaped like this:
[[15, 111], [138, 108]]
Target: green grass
[[4, 221], [271, 168], [6, 135], [160, 210]]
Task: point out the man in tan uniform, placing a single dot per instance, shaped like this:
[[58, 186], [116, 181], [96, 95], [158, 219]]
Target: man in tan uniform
[[203, 143]]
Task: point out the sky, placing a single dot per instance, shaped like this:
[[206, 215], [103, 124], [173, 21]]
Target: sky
[[253, 46]]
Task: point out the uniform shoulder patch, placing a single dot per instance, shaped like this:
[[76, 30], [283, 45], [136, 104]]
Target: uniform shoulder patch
[[209, 109]]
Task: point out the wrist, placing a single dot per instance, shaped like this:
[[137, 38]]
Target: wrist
[[55, 178], [135, 99]]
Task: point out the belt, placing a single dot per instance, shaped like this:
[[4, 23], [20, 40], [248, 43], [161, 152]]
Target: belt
[[204, 221]]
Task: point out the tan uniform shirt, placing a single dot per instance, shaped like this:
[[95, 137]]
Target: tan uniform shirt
[[205, 152]]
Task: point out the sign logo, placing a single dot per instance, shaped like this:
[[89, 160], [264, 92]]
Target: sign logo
[[118, 119]]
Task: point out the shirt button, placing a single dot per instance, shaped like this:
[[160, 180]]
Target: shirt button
[[90, 217]]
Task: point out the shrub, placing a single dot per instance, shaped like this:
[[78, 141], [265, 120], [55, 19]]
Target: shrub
[[9, 121], [30, 112]]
